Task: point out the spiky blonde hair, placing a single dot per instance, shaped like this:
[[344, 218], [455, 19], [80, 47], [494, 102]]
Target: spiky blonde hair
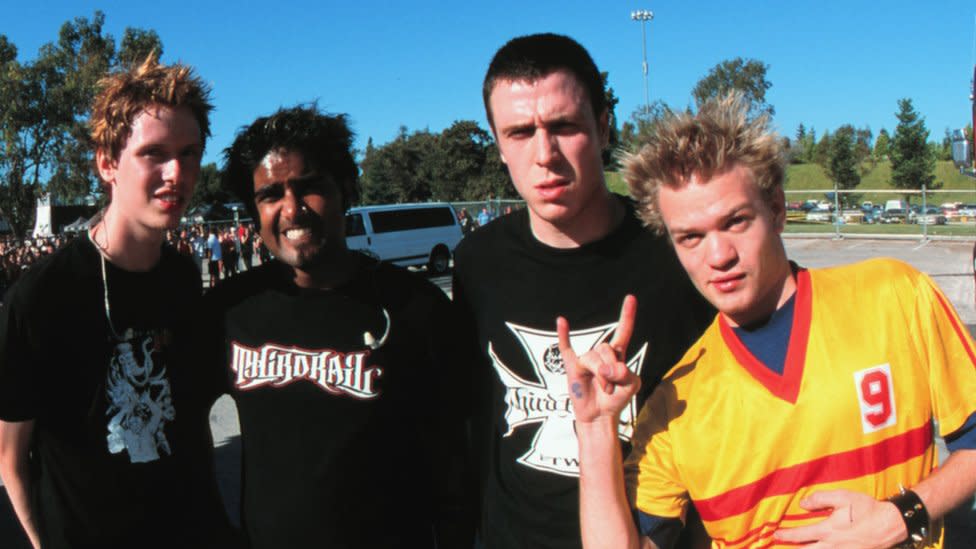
[[717, 138], [125, 94]]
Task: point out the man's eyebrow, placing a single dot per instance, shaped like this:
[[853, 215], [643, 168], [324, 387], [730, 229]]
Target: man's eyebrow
[[518, 126], [721, 221]]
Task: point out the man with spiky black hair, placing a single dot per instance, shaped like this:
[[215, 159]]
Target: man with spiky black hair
[[343, 368]]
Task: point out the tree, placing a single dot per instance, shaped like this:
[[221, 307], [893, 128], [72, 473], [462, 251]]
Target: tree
[[44, 115], [843, 167], [881, 145], [137, 44], [460, 163], [459, 157], [912, 162], [747, 76], [641, 125], [943, 150], [801, 148], [821, 153], [209, 189], [609, 158], [862, 145]]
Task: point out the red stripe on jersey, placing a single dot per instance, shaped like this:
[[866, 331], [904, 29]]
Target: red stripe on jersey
[[758, 534], [787, 385], [831, 468], [961, 332]]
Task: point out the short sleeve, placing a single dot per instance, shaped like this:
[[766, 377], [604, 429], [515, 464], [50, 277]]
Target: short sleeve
[[19, 396], [946, 347], [653, 483]]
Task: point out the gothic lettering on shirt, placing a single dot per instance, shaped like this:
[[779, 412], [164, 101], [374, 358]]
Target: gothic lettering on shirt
[[276, 366]]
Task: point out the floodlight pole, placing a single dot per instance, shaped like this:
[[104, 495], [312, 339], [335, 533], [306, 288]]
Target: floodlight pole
[[644, 16]]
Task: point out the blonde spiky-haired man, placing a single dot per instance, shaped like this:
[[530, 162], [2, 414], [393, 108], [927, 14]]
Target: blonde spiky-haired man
[[804, 415]]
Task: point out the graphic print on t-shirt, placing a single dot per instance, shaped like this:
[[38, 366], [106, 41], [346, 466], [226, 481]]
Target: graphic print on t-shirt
[[139, 399], [277, 366], [554, 448]]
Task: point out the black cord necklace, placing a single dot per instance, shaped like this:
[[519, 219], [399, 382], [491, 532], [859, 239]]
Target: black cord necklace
[[108, 308]]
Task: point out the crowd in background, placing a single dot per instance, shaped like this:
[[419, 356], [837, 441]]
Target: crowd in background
[[218, 250], [470, 223], [240, 248], [17, 255]]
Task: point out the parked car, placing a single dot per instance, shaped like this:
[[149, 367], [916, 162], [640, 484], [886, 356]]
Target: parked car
[[406, 234], [932, 216], [967, 210], [894, 215]]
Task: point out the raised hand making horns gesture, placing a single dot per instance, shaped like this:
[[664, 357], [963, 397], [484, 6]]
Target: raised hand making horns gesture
[[600, 383]]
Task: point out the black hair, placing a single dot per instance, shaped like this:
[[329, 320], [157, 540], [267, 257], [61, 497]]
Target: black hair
[[538, 55], [324, 141]]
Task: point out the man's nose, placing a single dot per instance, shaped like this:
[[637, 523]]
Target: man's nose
[[546, 148], [721, 252]]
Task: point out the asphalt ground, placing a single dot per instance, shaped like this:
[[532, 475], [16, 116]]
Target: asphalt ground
[[948, 262]]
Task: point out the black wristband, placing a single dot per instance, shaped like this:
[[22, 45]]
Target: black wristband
[[916, 518]]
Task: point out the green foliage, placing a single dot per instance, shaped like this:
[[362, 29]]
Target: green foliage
[[641, 125], [881, 145], [460, 163], [616, 184], [803, 146], [862, 144], [747, 76], [812, 177], [44, 115], [821, 152], [843, 164], [136, 46], [943, 151], [209, 189], [912, 162], [610, 159]]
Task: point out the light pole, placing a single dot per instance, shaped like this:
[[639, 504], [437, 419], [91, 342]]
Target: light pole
[[643, 16]]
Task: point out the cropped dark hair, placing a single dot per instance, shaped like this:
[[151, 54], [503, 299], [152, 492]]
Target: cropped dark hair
[[536, 56], [324, 141]]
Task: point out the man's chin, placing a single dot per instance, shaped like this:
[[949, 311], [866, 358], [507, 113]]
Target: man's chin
[[309, 259]]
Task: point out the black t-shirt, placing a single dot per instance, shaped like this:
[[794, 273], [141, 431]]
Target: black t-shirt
[[343, 445], [512, 287], [121, 450]]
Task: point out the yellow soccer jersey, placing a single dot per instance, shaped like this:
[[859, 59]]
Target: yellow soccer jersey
[[876, 353]]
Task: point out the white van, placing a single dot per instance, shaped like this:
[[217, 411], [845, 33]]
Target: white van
[[896, 205], [405, 234]]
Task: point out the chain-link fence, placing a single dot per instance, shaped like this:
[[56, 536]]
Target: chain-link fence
[[908, 213]]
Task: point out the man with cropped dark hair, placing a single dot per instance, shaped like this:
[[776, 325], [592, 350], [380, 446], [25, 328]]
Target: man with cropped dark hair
[[343, 369], [576, 250], [533, 57]]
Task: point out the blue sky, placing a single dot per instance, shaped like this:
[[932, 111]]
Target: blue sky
[[420, 64]]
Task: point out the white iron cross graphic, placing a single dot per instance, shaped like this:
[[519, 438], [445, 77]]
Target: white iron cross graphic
[[554, 448]]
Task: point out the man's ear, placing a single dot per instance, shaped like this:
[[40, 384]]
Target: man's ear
[[106, 166], [778, 206], [500, 155]]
